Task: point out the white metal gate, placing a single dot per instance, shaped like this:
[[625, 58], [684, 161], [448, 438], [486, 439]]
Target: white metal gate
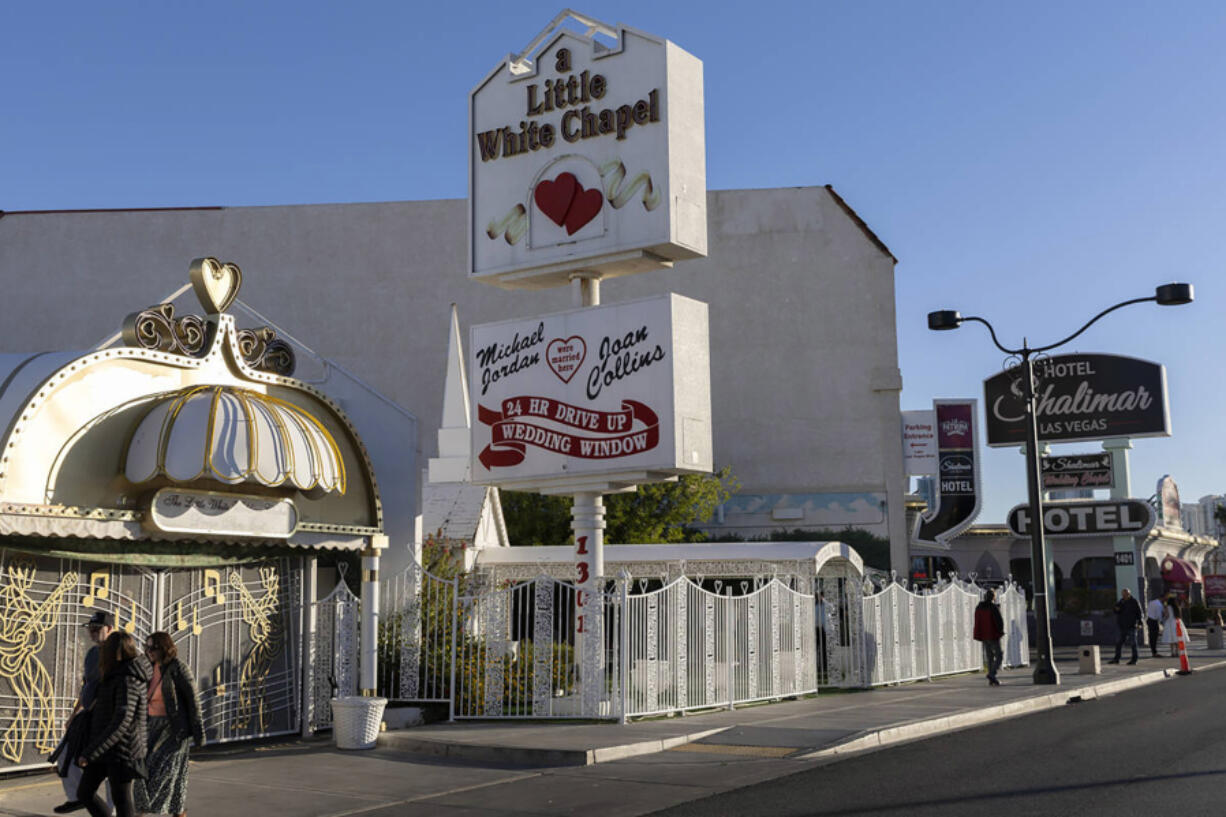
[[686, 647], [417, 630], [332, 652], [518, 654]]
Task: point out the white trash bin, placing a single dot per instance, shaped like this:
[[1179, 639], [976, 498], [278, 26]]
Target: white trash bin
[[1088, 660], [356, 720]]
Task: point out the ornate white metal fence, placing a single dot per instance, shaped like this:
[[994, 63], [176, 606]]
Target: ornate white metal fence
[[1016, 643], [689, 648], [517, 654], [514, 651], [417, 629], [951, 621], [896, 636], [910, 635], [839, 601]]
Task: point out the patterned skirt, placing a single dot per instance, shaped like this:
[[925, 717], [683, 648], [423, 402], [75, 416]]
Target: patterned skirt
[[165, 790]]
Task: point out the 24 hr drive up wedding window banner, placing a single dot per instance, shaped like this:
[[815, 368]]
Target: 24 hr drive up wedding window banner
[[601, 396]]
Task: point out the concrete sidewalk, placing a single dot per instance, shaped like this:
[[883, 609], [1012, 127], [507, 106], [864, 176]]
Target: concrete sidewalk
[[558, 768], [821, 726]]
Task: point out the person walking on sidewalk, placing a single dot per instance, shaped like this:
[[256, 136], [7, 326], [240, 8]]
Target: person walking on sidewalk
[[99, 627], [174, 722], [989, 629], [1128, 618], [1170, 624], [115, 750], [1153, 623]]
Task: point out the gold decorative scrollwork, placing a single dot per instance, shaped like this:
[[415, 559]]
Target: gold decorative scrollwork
[[267, 637], [24, 624], [262, 349], [156, 328]]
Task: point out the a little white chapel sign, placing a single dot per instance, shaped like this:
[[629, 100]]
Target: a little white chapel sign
[[589, 156]]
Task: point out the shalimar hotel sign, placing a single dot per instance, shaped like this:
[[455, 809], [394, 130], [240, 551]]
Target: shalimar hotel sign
[[1081, 397], [586, 156]]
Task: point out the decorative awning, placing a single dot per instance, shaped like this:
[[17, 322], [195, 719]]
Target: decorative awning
[[234, 435], [1179, 571]]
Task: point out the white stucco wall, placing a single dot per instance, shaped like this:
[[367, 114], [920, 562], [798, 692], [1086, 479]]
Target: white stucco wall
[[804, 378]]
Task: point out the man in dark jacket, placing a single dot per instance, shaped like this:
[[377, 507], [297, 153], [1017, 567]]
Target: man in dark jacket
[[989, 629], [99, 627], [1128, 616]]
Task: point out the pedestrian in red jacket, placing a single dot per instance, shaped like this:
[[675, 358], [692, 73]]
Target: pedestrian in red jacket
[[989, 629]]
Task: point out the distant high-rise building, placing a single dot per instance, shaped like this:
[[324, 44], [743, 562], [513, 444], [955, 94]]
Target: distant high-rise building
[[1200, 517]]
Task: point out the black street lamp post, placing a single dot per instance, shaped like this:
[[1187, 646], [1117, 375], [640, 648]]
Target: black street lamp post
[[1166, 295]]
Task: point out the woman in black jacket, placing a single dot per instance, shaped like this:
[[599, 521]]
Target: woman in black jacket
[[174, 719], [115, 749]]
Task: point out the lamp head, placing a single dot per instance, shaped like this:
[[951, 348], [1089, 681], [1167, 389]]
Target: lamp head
[[944, 319], [1173, 294]]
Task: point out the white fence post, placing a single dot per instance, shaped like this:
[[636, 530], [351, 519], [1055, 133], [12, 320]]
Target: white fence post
[[728, 647], [624, 636]]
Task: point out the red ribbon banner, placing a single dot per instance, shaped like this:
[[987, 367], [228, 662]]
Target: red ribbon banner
[[511, 434]]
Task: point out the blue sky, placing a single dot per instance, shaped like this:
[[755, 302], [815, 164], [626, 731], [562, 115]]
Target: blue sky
[[1030, 163]]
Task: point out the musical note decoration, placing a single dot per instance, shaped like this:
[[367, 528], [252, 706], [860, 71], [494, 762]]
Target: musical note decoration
[[99, 588], [212, 586], [128, 626]]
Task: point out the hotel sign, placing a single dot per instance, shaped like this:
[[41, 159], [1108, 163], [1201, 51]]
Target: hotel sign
[[1070, 519], [958, 485], [587, 157], [1080, 397], [597, 397]]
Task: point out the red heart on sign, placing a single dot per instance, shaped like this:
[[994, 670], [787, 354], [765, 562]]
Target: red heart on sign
[[583, 208], [555, 197], [565, 356]]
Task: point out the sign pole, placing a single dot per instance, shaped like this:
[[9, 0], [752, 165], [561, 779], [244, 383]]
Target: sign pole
[[588, 524], [1045, 671], [1127, 560]]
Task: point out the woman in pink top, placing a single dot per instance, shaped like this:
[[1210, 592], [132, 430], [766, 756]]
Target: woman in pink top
[[174, 719]]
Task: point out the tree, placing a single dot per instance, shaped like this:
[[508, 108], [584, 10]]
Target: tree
[[662, 512]]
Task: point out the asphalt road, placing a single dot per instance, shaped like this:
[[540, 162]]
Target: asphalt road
[[1158, 750]]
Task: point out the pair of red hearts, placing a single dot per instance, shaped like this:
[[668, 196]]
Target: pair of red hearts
[[566, 202]]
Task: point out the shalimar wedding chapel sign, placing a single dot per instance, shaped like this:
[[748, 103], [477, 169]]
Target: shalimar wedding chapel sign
[[592, 399], [586, 156]]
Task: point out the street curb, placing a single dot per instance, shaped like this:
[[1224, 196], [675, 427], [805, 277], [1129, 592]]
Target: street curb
[[532, 755], [931, 727]]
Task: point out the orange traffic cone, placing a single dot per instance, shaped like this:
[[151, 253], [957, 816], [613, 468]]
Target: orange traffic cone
[[1181, 636]]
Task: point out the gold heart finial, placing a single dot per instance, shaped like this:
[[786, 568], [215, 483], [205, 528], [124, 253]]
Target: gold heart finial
[[216, 284]]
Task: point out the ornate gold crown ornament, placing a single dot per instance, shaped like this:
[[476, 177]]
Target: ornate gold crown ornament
[[216, 286]]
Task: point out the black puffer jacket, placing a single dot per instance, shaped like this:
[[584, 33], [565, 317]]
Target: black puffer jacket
[[117, 729], [182, 701]]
